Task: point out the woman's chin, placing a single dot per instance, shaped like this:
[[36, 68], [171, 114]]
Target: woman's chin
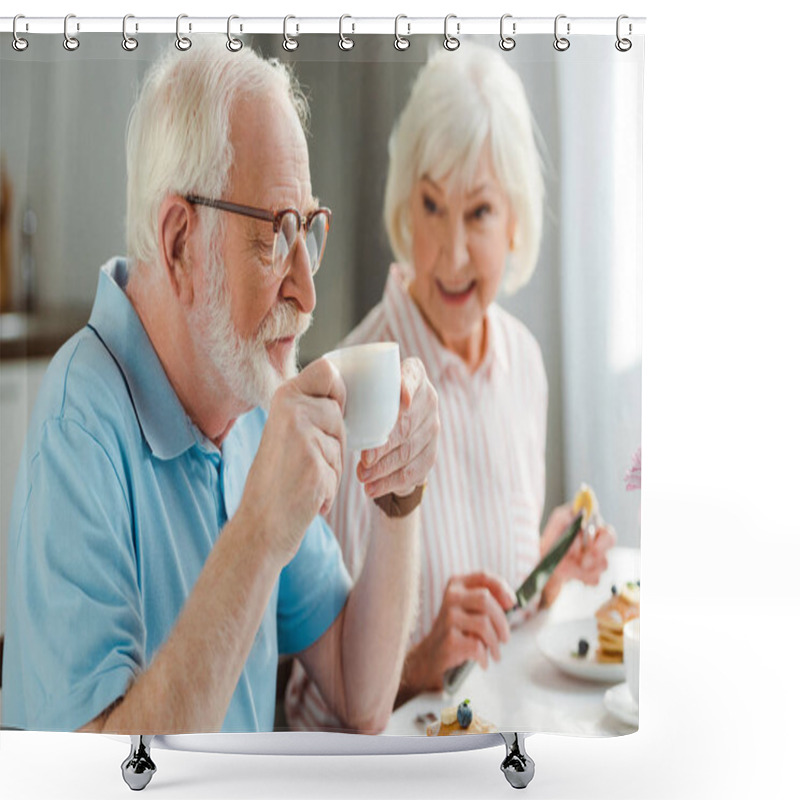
[[456, 335]]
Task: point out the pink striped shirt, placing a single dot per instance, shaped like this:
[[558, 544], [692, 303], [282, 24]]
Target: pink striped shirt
[[485, 496]]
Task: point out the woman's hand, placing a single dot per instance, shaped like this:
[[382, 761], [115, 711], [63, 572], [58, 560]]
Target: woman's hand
[[585, 560], [471, 624]]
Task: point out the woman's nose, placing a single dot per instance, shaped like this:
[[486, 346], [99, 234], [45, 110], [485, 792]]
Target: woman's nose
[[455, 249]]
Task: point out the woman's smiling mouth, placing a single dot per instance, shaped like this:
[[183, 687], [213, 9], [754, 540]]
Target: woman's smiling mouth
[[456, 294]]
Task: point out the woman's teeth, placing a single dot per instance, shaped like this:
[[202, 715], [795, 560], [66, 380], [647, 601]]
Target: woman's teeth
[[457, 291]]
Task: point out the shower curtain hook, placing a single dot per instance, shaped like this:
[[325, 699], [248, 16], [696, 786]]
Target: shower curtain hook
[[561, 43], [129, 43], [345, 43], [400, 42], [507, 42], [18, 43], [623, 45], [233, 44], [290, 43], [70, 42], [182, 42], [451, 42]]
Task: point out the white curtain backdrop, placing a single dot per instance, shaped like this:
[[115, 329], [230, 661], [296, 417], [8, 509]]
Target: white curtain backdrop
[[600, 242]]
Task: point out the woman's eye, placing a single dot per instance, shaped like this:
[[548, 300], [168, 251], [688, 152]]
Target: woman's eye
[[482, 211], [429, 205]]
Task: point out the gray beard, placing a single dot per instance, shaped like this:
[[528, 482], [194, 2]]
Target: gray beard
[[242, 362]]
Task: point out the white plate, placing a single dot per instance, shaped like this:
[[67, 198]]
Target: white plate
[[559, 641], [619, 703]]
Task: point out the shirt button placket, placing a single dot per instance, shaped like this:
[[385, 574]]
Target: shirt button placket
[[215, 479], [225, 488]]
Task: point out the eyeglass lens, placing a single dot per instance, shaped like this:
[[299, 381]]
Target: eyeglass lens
[[315, 241]]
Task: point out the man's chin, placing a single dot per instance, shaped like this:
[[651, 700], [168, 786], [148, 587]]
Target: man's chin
[[282, 357], [266, 388]]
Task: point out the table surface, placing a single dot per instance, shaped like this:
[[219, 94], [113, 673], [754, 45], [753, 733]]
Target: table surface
[[524, 691]]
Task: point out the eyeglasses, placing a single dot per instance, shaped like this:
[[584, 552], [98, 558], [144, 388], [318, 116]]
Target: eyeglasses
[[286, 224]]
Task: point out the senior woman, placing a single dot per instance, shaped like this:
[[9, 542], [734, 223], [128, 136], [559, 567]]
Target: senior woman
[[463, 208]]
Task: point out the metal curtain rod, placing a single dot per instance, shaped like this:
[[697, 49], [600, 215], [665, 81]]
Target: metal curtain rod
[[332, 25]]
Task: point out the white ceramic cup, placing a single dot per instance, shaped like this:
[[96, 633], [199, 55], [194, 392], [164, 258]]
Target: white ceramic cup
[[630, 650], [371, 375]]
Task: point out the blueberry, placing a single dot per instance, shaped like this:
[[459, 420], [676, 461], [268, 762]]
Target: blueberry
[[464, 714], [614, 589], [583, 648]]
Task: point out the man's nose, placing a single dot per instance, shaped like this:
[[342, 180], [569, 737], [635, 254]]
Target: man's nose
[[298, 285]]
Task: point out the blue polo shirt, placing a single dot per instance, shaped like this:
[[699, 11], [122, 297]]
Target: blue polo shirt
[[118, 502]]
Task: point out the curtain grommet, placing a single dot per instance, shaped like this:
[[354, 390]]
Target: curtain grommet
[[507, 42], [401, 43], [183, 43], [290, 43], [233, 44], [70, 43], [129, 43], [623, 44], [19, 43], [345, 43], [561, 43], [451, 43]]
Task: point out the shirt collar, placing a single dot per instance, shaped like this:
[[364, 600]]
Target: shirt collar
[[163, 420], [410, 329]]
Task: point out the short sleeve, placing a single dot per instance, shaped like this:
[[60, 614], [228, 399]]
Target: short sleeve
[[76, 633], [313, 589]]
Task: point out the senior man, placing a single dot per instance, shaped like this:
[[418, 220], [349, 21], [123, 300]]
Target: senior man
[[166, 540]]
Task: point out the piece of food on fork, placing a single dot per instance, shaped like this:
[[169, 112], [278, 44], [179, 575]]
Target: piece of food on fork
[[585, 503]]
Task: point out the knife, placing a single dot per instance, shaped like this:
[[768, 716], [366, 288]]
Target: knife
[[531, 588]]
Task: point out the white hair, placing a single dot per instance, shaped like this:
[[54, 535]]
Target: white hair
[[178, 138], [460, 101]]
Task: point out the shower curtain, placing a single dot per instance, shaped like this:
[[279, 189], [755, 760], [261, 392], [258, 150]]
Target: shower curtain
[[100, 546]]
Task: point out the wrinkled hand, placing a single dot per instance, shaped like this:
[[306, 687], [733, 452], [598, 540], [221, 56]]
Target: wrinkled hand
[[403, 463], [585, 560], [295, 474], [471, 625]]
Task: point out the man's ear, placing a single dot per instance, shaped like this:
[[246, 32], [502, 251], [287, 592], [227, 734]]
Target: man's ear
[[177, 230]]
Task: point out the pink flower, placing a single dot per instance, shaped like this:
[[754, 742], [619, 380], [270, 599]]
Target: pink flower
[[633, 477]]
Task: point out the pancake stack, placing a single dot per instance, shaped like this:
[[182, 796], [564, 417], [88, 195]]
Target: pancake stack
[[611, 617]]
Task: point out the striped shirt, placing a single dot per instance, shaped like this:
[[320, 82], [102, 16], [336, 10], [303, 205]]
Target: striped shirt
[[485, 496]]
